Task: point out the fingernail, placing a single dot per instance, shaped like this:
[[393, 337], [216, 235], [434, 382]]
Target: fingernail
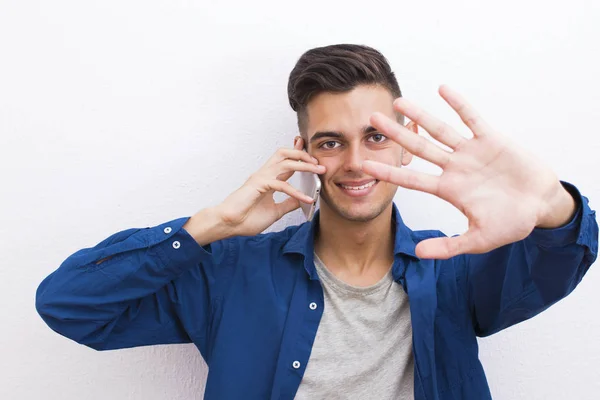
[[315, 160]]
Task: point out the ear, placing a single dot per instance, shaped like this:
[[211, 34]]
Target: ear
[[406, 156], [412, 126]]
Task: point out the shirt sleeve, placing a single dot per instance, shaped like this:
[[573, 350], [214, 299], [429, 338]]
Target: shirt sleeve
[[518, 281], [138, 287]]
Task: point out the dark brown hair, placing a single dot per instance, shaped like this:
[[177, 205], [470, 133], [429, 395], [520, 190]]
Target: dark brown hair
[[337, 68]]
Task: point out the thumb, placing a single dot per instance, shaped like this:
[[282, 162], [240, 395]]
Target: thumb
[[447, 247], [286, 206]]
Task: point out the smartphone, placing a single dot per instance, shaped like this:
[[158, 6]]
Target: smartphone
[[310, 185]]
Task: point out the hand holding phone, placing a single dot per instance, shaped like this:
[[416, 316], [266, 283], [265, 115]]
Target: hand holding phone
[[251, 209], [310, 185]]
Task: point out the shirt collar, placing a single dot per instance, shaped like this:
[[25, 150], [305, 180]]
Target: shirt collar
[[302, 241]]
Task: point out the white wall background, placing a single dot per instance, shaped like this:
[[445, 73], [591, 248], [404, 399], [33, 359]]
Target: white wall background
[[118, 114]]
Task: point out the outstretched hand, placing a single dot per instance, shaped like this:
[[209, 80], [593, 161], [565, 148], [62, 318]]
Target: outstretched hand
[[504, 191]]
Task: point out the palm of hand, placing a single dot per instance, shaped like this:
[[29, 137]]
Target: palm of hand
[[499, 187]]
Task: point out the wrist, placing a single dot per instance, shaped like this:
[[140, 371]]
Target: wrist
[[207, 226], [558, 210]]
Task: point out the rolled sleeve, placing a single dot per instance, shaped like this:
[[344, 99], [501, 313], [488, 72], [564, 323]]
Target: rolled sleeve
[[125, 291], [581, 229]]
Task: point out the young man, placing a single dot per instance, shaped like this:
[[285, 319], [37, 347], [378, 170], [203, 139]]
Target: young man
[[353, 305]]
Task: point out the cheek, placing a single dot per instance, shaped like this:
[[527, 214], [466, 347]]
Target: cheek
[[396, 159], [390, 159], [330, 167], [326, 176]]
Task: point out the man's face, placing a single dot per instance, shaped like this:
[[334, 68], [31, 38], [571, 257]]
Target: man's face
[[340, 136]]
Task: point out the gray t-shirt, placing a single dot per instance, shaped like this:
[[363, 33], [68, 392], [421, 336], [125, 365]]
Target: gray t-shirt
[[363, 347]]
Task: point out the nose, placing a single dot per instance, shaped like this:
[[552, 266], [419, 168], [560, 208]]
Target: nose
[[354, 158]]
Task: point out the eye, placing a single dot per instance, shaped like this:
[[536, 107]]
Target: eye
[[381, 137], [326, 145]]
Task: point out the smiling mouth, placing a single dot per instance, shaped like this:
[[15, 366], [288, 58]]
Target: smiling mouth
[[359, 190], [361, 187]]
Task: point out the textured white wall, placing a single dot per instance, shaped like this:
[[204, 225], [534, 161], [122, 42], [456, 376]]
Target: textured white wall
[[118, 114]]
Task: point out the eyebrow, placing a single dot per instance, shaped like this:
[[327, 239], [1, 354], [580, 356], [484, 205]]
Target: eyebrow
[[339, 135]]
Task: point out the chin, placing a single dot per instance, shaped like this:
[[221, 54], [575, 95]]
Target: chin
[[361, 214]]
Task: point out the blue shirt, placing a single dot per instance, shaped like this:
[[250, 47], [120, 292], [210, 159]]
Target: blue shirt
[[245, 301]]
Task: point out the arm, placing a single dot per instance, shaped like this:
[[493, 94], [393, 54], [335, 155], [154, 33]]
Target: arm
[[517, 281], [157, 285], [513, 261], [139, 286]]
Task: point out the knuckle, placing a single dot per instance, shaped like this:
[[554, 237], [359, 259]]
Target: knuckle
[[385, 172], [292, 165], [458, 144], [274, 184], [420, 146], [471, 120], [442, 130], [419, 116], [281, 152], [411, 180]]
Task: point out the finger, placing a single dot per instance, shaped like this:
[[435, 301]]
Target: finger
[[437, 129], [290, 165], [467, 113], [417, 145], [404, 177], [288, 189], [298, 143], [447, 247], [292, 154], [288, 205]]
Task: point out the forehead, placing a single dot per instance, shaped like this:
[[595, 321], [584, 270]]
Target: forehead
[[349, 111]]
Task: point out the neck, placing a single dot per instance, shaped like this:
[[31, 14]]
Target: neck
[[355, 248]]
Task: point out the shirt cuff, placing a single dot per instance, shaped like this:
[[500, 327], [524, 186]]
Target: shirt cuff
[[569, 233], [177, 249]]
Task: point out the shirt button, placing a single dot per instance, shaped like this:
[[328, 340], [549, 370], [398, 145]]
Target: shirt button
[[313, 306], [176, 244], [296, 364], [167, 229]]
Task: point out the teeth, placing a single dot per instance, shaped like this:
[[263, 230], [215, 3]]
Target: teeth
[[368, 185]]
